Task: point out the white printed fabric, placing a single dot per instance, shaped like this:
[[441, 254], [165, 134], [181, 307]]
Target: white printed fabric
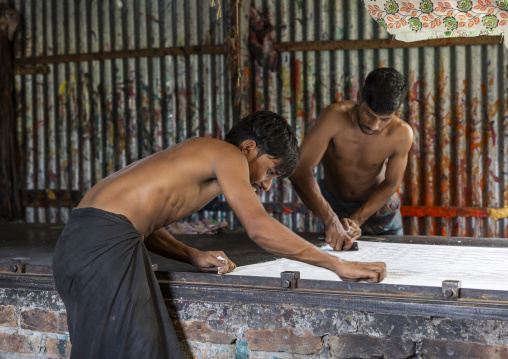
[[426, 19], [408, 264]]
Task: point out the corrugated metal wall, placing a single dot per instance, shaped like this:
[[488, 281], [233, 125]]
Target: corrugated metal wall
[[84, 120], [457, 107]]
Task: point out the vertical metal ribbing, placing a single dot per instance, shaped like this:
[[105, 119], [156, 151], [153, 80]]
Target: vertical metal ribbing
[[197, 99], [454, 165], [290, 195], [410, 117], [162, 70], [71, 166], [422, 225], [178, 112], [307, 218], [437, 149], [33, 108], [114, 120], [138, 128], [126, 84], [150, 122], [22, 102], [44, 148], [187, 72], [61, 212], [502, 120], [101, 88], [483, 119], [212, 77]]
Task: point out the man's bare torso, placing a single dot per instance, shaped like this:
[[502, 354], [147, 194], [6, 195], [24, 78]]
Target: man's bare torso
[[162, 188], [354, 163]]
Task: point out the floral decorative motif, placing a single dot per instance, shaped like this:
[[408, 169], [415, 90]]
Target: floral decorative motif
[[426, 6], [391, 7], [382, 22], [415, 24], [490, 21], [464, 5], [450, 22], [503, 4], [440, 18]]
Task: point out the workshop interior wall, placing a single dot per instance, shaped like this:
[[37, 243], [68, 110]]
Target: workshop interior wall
[[83, 120]]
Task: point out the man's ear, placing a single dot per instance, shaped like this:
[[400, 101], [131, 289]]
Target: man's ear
[[248, 146], [359, 97]]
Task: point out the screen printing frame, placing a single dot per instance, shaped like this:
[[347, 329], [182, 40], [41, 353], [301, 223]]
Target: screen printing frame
[[357, 296]]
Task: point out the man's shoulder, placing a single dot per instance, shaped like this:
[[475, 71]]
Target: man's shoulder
[[204, 147], [401, 133], [207, 142], [340, 107], [338, 111], [402, 128]]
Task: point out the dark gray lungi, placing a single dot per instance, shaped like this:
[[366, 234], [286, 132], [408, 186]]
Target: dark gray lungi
[[103, 274]]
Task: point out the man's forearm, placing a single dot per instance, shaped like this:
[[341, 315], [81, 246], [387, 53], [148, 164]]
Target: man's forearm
[[277, 239], [308, 189], [163, 243], [376, 200]]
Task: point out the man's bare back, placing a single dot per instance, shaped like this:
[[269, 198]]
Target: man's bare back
[[164, 187], [354, 164]]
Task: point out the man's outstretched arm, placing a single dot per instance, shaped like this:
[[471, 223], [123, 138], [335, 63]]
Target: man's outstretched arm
[[271, 235]]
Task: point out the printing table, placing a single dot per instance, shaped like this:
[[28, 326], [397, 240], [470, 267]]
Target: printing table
[[445, 315]]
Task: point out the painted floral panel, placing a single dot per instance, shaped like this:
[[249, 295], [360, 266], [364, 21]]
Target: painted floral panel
[[426, 19]]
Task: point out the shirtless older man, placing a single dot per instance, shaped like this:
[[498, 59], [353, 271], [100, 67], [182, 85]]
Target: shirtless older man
[[363, 148], [101, 267]]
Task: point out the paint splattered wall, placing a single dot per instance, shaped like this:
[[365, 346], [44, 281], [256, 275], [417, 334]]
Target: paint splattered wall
[[84, 120], [457, 107]]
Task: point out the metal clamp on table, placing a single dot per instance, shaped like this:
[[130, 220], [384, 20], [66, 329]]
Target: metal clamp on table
[[289, 279], [451, 289]]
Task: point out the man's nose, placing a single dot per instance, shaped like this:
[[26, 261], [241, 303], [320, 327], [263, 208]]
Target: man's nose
[[266, 184], [374, 125]]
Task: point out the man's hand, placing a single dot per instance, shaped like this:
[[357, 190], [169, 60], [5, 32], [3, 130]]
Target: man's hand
[[373, 272], [352, 229], [340, 234], [207, 261]]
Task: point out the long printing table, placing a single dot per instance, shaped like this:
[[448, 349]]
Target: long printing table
[[443, 297]]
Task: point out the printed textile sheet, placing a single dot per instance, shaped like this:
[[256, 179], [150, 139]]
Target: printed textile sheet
[[415, 20]]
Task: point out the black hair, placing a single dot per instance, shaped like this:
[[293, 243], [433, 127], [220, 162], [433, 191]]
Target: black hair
[[384, 90], [273, 136]]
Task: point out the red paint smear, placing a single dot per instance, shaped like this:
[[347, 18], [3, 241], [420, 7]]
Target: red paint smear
[[295, 76], [496, 178], [443, 212], [286, 210]]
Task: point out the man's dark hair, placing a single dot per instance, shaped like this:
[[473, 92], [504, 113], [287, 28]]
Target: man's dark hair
[[273, 135], [384, 90]]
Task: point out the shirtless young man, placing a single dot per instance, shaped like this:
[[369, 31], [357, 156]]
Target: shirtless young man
[[101, 268], [363, 148]]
